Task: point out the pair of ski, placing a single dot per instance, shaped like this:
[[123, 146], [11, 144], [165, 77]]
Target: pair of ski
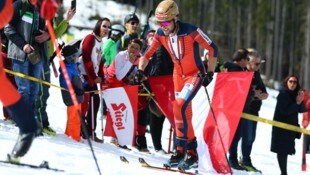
[[147, 165], [43, 165]]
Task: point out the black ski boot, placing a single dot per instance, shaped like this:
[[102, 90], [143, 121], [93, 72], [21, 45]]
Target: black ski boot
[[190, 161], [141, 144], [21, 147], [174, 160]]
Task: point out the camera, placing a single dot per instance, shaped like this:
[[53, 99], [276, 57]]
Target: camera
[[73, 4]]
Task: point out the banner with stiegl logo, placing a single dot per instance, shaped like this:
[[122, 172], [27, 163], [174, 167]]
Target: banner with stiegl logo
[[122, 104]]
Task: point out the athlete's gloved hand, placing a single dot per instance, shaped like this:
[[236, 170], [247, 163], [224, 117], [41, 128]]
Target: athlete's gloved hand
[[139, 76], [207, 78]]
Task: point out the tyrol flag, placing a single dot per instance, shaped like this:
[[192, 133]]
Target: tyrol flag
[[227, 93], [122, 104]]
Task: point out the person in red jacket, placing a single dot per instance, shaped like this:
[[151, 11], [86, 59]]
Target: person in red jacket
[[306, 115], [182, 41]]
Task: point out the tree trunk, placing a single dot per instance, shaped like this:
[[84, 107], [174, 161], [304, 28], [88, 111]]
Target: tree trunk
[[306, 77], [249, 25], [281, 42], [276, 42], [269, 41]]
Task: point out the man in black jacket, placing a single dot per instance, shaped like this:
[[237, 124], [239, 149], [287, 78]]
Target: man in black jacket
[[260, 93]]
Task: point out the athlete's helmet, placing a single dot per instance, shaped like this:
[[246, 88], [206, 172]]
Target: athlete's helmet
[[117, 29], [166, 10]]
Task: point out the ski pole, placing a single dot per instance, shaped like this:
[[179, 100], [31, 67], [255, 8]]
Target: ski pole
[[54, 69], [92, 117]]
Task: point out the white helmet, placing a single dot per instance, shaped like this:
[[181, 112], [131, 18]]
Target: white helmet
[[117, 29]]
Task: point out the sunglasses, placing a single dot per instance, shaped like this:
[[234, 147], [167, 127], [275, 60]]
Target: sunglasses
[[292, 81], [105, 27], [164, 23], [134, 23]]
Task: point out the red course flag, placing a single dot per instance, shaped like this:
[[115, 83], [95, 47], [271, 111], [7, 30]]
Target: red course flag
[[227, 93], [162, 87]]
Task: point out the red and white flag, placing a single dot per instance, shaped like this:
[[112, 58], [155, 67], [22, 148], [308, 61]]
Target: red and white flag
[[122, 104], [227, 93]]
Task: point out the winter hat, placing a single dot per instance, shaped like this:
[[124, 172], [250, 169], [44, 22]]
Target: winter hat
[[130, 17], [70, 53], [117, 29]]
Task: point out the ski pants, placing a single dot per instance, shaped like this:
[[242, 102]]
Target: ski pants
[[73, 128], [185, 87], [43, 95], [248, 138]]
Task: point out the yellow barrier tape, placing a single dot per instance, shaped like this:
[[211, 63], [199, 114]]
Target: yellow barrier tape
[[276, 123], [33, 79], [53, 85]]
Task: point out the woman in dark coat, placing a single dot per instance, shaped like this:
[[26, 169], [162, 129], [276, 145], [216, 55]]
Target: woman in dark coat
[[289, 104]]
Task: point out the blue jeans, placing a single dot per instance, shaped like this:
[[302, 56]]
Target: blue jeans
[[248, 138], [43, 95], [27, 88]]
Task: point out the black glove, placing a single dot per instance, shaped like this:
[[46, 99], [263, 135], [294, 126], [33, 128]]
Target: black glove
[[207, 78], [139, 76]]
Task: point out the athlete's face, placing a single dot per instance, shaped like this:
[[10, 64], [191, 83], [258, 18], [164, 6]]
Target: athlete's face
[[167, 26]]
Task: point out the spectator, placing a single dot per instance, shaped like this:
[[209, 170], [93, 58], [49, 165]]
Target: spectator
[[71, 55], [109, 47], [289, 104], [91, 68], [131, 22], [27, 47], [181, 41], [46, 74], [248, 136], [306, 115], [120, 73], [239, 62]]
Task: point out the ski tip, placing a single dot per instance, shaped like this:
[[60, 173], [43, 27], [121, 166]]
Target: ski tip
[[123, 159], [141, 160]]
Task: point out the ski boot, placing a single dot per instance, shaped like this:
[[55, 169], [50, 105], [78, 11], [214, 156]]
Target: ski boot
[[141, 144], [174, 160], [21, 147], [190, 161]]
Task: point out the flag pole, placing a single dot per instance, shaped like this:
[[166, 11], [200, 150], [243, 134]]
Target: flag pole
[[217, 127]]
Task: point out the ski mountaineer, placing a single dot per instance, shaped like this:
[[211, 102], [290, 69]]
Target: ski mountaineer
[[182, 41], [16, 104]]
